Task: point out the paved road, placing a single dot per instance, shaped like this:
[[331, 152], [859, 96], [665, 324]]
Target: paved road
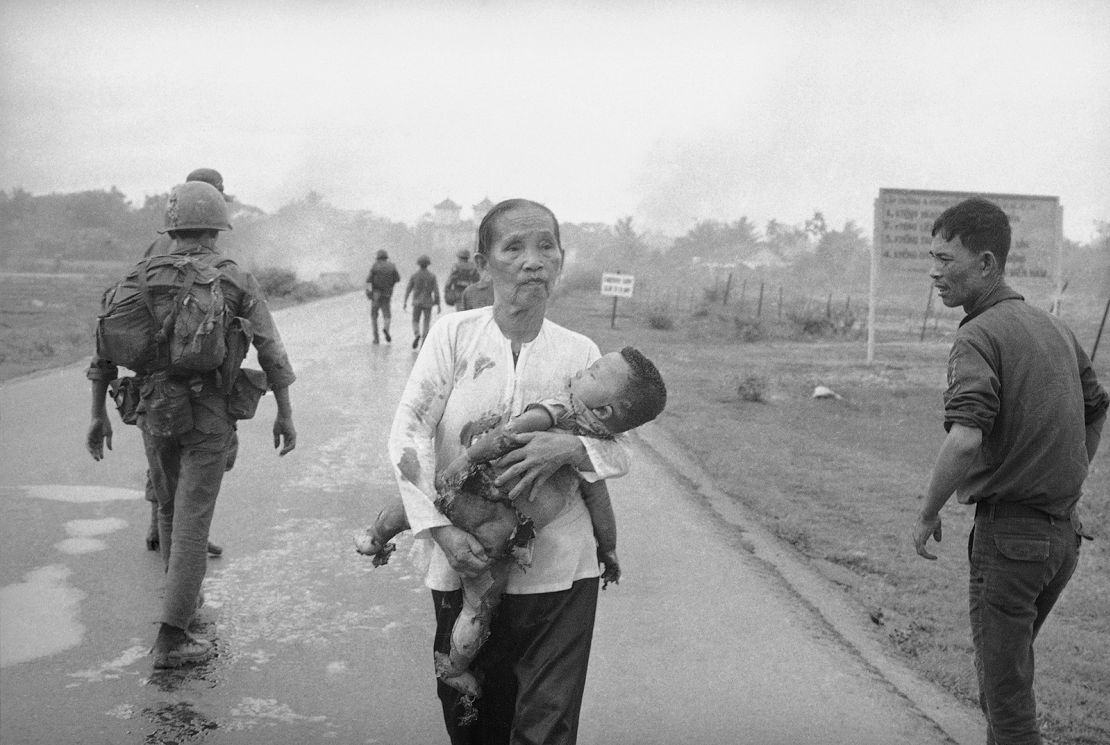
[[716, 634]]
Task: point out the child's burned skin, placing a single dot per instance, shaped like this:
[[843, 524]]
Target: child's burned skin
[[477, 427]]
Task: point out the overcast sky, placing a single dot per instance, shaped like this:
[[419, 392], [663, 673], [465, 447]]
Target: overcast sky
[[669, 112]]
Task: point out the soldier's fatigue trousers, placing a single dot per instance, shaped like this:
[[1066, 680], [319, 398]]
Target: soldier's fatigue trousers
[[1020, 563], [186, 471]]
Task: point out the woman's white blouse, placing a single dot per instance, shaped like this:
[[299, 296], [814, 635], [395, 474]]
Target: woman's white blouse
[[464, 374]]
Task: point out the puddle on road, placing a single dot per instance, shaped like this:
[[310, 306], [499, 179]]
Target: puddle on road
[[113, 669], [40, 616], [80, 494], [81, 532]]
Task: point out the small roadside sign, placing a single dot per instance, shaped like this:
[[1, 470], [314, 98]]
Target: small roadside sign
[[617, 285]]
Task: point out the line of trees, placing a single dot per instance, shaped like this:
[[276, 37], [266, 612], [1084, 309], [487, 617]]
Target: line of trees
[[310, 236]]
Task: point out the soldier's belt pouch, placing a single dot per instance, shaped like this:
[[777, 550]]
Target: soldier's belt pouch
[[249, 388], [125, 392], [166, 405]]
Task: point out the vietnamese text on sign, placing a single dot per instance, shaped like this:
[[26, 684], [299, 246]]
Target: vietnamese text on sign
[[617, 285]]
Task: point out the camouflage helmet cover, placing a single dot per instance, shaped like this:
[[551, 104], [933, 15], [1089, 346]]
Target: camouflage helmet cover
[[196, 205]]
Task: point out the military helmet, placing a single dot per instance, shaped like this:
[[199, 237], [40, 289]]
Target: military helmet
[[424, 260], [196, 205], [463, 253], [208, 176], [383, 254]]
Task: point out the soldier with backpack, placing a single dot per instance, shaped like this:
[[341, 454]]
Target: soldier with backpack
[[463, 274], [162, 245], [379, 290], [183, 323]]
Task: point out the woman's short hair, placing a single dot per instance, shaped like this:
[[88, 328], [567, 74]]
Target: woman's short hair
[[489, 222]]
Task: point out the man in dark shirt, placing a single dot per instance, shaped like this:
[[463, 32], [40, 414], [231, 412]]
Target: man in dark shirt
[[1024, 413], [424, 289], [477, 295], [380, 281]]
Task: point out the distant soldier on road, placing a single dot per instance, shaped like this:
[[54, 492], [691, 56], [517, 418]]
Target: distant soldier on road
[[463, 274], [380, 282], [1024, 414], [424, 289], [479, 294], [187, 414]]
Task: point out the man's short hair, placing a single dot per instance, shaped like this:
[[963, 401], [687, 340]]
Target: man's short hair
[[980, 224], [423, 261], [646, 395], [488, 224]]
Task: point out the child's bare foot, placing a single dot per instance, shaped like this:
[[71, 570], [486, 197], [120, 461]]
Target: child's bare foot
[[367, 543], [464, 682]]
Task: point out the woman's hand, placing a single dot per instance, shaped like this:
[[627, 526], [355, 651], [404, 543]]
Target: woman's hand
[[464, 553], [537, 456]]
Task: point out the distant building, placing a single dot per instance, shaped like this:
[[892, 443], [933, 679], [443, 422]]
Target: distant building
[[481, 209], [449, 232]]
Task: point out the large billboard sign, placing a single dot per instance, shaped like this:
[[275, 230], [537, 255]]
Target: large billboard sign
[[904, 220]]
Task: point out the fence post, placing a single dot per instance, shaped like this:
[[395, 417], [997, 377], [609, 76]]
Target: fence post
[[828, 307], [1101, 325], [780, 303], [728, 286], [743, 290], [759, 308]]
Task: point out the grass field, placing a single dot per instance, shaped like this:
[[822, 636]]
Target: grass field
[[837, 479], [840, 479], [47, 320]]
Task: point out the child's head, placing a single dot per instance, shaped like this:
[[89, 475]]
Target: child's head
[[624, 389]]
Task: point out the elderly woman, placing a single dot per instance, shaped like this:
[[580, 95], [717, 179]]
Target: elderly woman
[[476, 368]]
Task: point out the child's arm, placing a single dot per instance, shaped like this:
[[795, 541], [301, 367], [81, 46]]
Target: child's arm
[[498, 441], [493, 444], [596, 496]]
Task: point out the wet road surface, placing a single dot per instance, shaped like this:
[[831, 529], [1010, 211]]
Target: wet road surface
[[702, 642]]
